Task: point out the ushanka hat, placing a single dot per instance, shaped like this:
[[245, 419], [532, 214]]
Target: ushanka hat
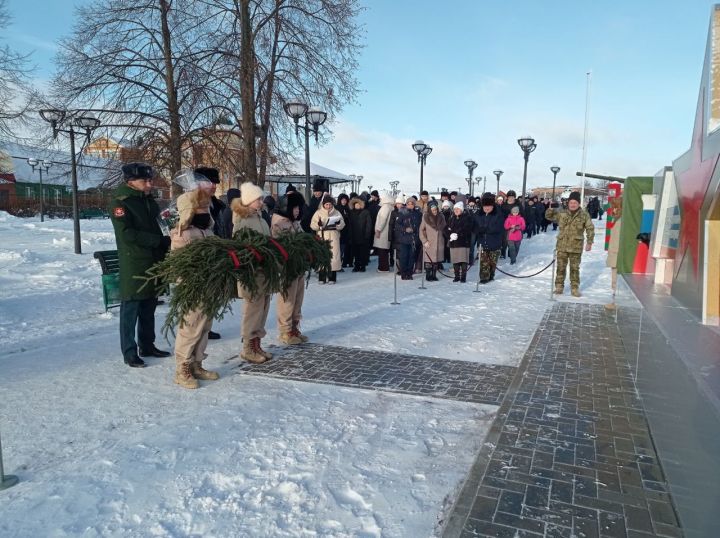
[[132, 171], [212, 174], [575, 195], [488, 198]]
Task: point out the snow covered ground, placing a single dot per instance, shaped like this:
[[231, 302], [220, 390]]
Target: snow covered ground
[[105, 450]]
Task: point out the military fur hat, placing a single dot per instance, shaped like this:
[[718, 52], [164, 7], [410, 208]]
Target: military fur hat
[[132, 171], [488, 198], [287, 203], [575, 195]]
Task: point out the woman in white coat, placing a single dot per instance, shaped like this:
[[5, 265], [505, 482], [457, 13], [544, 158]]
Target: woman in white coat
[[382, 232], [328, 223]]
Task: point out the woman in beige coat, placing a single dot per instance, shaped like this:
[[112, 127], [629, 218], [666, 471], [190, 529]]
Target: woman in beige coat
[[194, 224], [383, 232], [327, 226], [247, 214], [432, 239], [286, 220]]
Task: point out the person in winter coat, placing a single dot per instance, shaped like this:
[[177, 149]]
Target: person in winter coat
[[515, 226], [381, 242], [530, 218], [327, 224], [226, 217], [140, 244], [569, 247], [361, 232], [446, 208], [286, 220], [194, 224], [404, 234], [490, 227], [458, 232], [432, 236], [247, 214], [472, 210], [399, 202], [345, 244], [313, 205], [506, 207]]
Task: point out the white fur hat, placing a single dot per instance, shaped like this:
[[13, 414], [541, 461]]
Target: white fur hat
[[400, 200], [460, 206], [249, 192], [446, 203]]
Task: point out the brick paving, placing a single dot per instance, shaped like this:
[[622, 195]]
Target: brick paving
[[407, 374], [570, 453]]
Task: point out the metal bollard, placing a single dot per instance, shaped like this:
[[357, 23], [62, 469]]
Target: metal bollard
[[422, 279], [6, 481], [477, 284], [552, 276], [395, 301]]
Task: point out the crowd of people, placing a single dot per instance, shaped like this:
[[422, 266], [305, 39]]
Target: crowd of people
[[407, 234]]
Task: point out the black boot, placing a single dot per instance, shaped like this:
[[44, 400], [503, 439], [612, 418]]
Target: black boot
[[152, 351], [212, 335], [456, 268], [463, 272], [433, 272], [332, 279]]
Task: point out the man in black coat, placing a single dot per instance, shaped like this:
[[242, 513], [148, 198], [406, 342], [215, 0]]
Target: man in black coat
[[361, 233], [490, 227]]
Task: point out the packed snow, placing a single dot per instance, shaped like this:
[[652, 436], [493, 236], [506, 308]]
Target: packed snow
[[105, 450]]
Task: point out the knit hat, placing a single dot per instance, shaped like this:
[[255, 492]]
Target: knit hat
[[249, 192], [432, 203], [269, 202], [187, 204], [515, 210], [231, 194], [424, 193], [575, 195], [376, 194], [212, 174], [328, 199], [132, 171], [290, 188], [400, 200], [488, 199], [446, 203], [511, 193], [460, 206]]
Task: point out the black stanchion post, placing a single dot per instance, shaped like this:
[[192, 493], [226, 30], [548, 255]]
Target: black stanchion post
[[6, 481], [477, 284]]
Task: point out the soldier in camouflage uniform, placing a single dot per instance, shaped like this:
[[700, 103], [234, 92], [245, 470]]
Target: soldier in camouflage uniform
[[573, 223]]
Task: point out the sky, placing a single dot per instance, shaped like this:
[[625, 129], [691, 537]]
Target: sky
[[470, 77]]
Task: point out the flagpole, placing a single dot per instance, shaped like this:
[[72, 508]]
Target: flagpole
[[585, 136]]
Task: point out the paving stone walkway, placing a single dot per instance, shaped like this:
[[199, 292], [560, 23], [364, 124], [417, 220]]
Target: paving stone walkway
[[408, 374], [570, 453]]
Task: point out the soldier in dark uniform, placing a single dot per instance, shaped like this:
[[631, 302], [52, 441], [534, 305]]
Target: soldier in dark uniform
[[140, 244]]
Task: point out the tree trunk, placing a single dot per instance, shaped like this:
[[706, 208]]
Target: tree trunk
[[247, 93], [175, 139]]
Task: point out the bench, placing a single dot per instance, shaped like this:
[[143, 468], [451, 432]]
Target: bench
[[110, 265]]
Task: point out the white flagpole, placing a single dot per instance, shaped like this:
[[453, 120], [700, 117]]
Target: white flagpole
[[585, 136]]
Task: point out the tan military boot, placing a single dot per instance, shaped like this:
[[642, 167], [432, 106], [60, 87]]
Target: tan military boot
[[184, 377], [575, 292], [250, 354], [198, 372], [296, 332], [260, 350], [558, 290], [289, 338]]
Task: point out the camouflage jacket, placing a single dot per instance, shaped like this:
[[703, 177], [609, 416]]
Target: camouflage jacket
[[572, 226]]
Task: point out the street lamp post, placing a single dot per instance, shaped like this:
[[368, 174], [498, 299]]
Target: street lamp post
[[477, 180], [471, 165], [527, 145], [314, 118], [393, 186], [498, 173], [40, 165], [65, 121], [554, 170], [422, 150]]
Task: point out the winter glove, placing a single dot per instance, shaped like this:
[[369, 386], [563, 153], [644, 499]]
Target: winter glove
[[453, 236], [426, 244]]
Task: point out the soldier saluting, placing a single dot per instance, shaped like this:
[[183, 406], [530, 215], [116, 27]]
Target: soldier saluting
[[140, 244], [569, 247]]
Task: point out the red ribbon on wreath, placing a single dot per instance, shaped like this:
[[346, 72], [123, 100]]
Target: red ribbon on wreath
[[280, 248], [257, 255], [233, 256]]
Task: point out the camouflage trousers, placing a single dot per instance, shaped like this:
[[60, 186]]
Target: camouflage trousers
[[488, 261], [562, 262]]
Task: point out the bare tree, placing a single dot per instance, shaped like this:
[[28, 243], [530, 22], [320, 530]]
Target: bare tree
[[15, 92], [143, 65]]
